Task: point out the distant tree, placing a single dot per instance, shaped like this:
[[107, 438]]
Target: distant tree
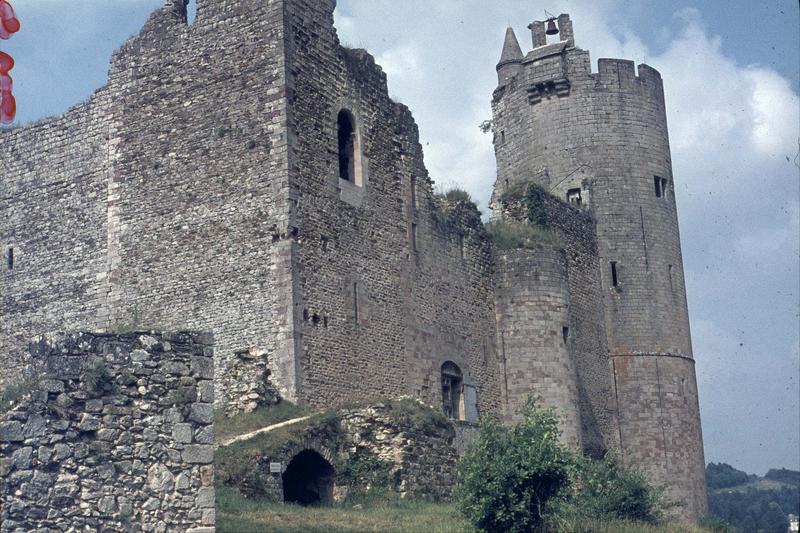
[[723, 475], [792, 477]]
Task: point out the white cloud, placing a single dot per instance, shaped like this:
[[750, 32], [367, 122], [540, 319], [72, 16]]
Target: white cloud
[[732, 126]]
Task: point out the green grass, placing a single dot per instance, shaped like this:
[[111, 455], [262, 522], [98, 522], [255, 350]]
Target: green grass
[[508, 235], [240, 515], [225, 427]]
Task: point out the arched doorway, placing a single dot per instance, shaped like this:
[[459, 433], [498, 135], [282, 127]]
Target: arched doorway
[[308, 480]]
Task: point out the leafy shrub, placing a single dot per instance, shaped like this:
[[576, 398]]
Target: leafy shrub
[[367, 477], [457, 194], [534, 200], [98, 379], [410, 411], [12, 394], [507, 479], [508, 235], [607, 490]]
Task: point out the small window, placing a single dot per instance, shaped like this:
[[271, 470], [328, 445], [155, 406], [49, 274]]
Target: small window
[[565, 334], [452, 391], [413, 192], [661, 185], [671, 283], [349, 148], [10, 258], [574, 197], [355, 301], [614, 275], [502, 137], [414, 237]]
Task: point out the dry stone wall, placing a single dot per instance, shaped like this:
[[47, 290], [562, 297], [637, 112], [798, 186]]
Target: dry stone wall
[[117, 435]]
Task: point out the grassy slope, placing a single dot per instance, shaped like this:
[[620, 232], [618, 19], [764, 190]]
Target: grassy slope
[[225, 428], [236, 514], [239, 515]]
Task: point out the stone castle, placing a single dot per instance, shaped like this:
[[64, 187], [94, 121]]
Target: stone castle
[[249, 176]]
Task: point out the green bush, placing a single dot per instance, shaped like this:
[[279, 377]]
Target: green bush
[[605, 492], [507, 479], [369, 478], [534, 200], [11, 395], [98, 379], [508, 235], [611, 491], [457, 194]]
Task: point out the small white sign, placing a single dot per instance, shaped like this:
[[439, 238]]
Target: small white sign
[[275, 468]]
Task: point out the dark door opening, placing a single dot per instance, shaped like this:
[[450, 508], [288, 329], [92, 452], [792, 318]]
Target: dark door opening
[[308, 480]]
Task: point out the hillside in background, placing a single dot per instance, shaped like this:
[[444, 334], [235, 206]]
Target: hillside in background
[[750, 503]]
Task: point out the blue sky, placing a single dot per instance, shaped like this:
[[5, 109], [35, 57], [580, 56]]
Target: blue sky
[[731, 80]]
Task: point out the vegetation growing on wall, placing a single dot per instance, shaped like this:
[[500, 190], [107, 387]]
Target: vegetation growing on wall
[[510, 234]]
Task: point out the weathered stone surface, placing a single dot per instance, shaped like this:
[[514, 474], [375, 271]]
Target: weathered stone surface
[[198, 454], [102, 464], [202, 413], [183, 433], [11, 431]]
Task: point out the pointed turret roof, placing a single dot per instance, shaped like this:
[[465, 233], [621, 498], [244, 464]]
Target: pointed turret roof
[[511, 49]]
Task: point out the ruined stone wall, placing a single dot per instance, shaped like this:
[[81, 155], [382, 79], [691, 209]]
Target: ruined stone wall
[[391, 287], [533, 305], [604, 136], [163, 201], [53, 221], [117, 435], [199, 234], [398, 446]]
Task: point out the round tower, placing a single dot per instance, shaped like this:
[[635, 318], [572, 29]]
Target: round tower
[[599, 141], [533, 324]]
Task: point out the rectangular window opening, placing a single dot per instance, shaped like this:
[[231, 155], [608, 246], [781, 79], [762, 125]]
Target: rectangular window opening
[[355, 301], [565, 334], [671, 285], [614, 276], [10, 258], [574, 197], [414, 237], [502, 137], [413, 192], [661, 185]]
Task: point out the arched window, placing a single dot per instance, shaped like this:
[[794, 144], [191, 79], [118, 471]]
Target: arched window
[[452, 391], [349, 148]]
